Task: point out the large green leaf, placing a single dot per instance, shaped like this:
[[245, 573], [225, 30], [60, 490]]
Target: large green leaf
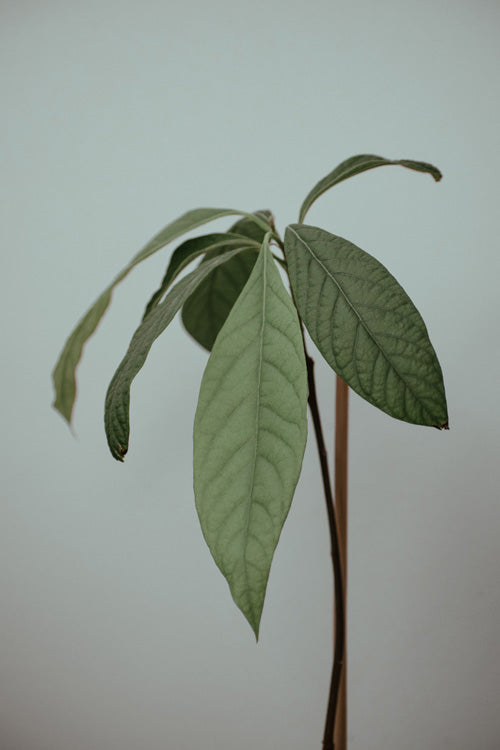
[[206, 310], [365, 325], [116, 412], [192, 249], [63, 375], [356, 164], [250, 433]]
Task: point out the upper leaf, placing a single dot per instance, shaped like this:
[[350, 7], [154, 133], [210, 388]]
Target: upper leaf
[[250, 433], [365, 325], [63, 375], [116, 412], [356, 164]]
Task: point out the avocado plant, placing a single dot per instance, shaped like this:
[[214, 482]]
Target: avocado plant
[[249, 302]]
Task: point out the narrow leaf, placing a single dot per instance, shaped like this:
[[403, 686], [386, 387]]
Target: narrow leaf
[[63, 375], [365, 325], [250, 433], [355, 165], [192, 249], [116, 412]]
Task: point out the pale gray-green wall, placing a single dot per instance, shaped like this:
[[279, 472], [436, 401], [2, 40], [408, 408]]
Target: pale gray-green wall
[[117, 632]]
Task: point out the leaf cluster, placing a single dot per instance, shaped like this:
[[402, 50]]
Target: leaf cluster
[[250, 426]]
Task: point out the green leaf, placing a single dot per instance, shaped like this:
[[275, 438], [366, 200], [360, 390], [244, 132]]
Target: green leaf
[[365, 326], [355, 165], [250, 434], [205, 312], [63, 375], [249, 228], [192, 249], [116, 412]]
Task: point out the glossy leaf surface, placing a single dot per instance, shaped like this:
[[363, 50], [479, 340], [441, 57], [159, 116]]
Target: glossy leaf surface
[[63, 375], [365, 325], [116, 413], [355, 165], [250, 433]]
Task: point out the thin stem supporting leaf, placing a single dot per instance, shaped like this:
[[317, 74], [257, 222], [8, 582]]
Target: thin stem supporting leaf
[[339, 644], [340, 484]]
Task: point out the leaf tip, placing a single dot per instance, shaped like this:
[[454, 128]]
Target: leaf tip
[[119, 452], [444, 426], [255, 628], [65, 413]]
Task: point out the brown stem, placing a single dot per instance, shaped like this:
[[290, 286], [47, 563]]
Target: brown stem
[[340, 483], [338, 658]]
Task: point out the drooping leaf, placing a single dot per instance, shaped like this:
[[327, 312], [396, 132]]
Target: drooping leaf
[[365, 325], [206, 310], [192, 249], [63, 375], [355, 165], [250, 433], [116, 412]]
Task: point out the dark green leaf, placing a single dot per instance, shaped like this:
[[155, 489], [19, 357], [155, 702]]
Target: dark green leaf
[[206, 310], [250, 433], [365, 325], [249, 228], [192, 249], [116, 413], [63, 375], [355, 165]]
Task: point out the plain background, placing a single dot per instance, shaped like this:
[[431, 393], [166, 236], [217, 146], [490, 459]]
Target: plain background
[[117, 630]]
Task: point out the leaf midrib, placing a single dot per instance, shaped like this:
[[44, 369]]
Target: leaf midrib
[[257, 420], [362, 322]]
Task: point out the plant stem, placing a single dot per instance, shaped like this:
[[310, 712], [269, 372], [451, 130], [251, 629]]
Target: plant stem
[[339, 644], [340, 484]]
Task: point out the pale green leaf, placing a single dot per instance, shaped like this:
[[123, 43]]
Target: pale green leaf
[[63, 375], [116, 412], [355, 165], [365, 325], [250, 433]]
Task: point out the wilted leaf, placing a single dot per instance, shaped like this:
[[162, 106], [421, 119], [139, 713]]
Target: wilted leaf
[[116, 413]]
